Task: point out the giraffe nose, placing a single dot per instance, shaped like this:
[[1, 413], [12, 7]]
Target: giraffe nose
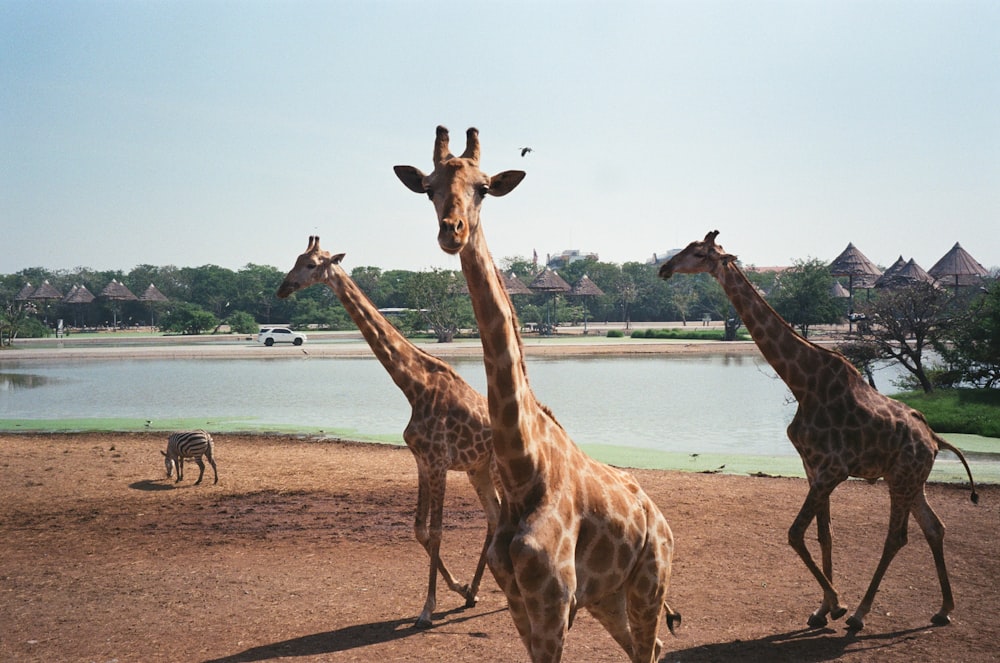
[[451, 234]]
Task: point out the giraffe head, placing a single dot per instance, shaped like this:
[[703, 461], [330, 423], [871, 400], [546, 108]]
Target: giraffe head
[[457, 188], [697, 257], [310, 268]]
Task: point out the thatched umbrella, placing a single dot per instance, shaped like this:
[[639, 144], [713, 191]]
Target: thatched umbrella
[[45, 293], [906, 274], [78, 297], [152, 296], [957, 269], [117, 292], [24, 293], [585, 288], [858, 269], [548, 282], [514, 285]]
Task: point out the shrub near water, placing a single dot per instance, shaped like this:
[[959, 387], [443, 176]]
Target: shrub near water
[[684, 334], [971, 411]]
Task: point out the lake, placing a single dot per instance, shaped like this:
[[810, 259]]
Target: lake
[[640, 411]]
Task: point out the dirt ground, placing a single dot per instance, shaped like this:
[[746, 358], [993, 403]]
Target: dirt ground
[[304, 551]]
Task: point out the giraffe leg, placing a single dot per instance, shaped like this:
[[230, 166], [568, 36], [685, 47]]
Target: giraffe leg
[[894, 540], [933, 530], [422, 534], [502, 568], [547, 593], [482, 482], [817, 501], [430, 539], [611, 613]]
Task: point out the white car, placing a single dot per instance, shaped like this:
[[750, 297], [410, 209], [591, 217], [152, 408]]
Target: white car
[[271, 335]]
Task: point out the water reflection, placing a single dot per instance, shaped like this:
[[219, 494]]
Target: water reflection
[[12, 381]]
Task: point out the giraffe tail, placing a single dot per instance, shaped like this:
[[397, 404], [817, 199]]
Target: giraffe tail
[[943, 444], [673, 618]]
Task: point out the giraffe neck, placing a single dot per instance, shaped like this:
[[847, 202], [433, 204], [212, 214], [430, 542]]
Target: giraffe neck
[[511, 401], [793, 358], [407, 365]]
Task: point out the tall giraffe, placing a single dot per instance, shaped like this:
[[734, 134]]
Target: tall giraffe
[[842, 428], [449, 427], [572, 532]]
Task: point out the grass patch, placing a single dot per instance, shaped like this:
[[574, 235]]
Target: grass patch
[[683, 334], [970, 411]]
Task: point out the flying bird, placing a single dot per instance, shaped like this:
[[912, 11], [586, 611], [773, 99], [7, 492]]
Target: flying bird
[[525, 150]]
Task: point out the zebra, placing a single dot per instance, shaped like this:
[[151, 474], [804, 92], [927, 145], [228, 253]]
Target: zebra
[[192, 444]]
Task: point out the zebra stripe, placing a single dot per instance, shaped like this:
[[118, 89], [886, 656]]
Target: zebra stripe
[[190, 444]]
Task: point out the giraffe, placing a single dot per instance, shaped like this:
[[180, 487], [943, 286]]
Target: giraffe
[[449, 423], [573, 533], [842, 428]]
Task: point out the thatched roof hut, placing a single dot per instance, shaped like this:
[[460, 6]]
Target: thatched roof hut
[[861, 271], [514, 285], [78, 294], [25, 292], [152, 294], [585, 288], [548, 281], [45, 291], [957, 268], [117, 290]]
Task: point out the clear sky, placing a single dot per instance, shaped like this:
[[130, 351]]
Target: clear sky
[[194, 132]]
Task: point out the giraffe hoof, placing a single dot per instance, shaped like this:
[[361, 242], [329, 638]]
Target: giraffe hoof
[[470, 601], [817, 621], [423, 623], [940, 620], [837, 613], [855, 623]]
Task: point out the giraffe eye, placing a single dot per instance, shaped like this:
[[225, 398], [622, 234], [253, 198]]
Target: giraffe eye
[[483, 189]]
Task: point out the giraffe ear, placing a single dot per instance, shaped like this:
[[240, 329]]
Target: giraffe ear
[[503, 183], [335, 260], [412, 178]]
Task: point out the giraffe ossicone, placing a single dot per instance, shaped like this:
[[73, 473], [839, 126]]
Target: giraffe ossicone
[[449, 427], [573, 533], [842, 428]]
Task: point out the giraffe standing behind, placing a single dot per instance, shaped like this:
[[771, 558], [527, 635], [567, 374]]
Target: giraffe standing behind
[[449, 427], [842, 428], [573, 533]]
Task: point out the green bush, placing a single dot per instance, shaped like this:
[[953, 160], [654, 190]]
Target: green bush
[[684, 334], [616, 333], [971, 411], [242, 322]]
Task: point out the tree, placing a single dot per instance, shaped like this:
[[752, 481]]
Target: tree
[[803, 296], [187, 318], [972, 349], [437, 296], [242, 322], [900, 324], [13, 321]]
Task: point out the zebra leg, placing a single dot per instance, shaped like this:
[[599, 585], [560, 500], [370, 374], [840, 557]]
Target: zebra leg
[[211, 460], [201, 469], [179, 463]]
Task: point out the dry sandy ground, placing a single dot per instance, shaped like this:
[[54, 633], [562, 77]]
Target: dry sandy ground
[[304, 552]]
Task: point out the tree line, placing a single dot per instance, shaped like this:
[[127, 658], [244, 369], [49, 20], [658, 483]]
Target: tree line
[[902, 324]]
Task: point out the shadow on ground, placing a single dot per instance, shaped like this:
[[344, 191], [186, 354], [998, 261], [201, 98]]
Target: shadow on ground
[[349, 637]]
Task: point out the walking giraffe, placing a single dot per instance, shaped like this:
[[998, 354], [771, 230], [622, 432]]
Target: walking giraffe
[[449, 427], [573, 533], [842, 428]]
